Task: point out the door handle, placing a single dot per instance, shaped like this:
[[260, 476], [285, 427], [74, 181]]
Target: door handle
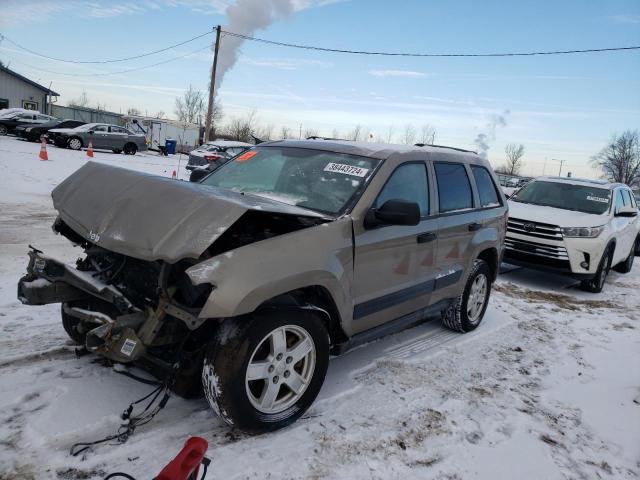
[[426, 237], [474, 226]]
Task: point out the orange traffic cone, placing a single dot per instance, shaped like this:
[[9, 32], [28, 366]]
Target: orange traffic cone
[[174, 175], [43, 151], [90, 150]]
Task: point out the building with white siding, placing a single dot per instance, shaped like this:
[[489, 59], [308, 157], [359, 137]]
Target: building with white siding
[[17, 91]]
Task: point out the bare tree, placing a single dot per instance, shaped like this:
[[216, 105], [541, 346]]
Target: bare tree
[[427, 135], [514, 154], [355, 133], [161, 114], [190, 106], [82, 101], [390, 133], [310, 132], [134, 111], [285, 132], [409, 135], [241, 128], [335, 133], [620, 159], [265, 132]]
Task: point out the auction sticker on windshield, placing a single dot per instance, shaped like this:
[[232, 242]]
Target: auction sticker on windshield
[[346, 169], [246, 156], [597, 199]]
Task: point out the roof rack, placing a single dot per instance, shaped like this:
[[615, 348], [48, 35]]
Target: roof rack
[[444, 146], [316, 137]]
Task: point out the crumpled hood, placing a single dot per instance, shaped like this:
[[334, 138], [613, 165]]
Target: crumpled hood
[[555, 216], [150, 217]]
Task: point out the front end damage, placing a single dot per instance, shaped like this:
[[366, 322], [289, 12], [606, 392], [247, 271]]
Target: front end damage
[[130, 297], [111, 324]]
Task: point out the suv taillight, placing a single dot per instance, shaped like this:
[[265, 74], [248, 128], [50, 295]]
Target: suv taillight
[[211, 158]]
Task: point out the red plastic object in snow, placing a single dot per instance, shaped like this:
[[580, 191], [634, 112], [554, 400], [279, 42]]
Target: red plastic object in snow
[[186, 464]]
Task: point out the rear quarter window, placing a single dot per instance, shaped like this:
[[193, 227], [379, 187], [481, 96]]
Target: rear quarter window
[[486, 188], [454, 188]]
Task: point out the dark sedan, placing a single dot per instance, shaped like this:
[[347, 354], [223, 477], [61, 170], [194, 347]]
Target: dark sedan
[[34, 133], [8, 124]]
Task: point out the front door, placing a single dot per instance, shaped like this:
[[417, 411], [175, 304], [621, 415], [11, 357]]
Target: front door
[[99, 138], [394, 264]]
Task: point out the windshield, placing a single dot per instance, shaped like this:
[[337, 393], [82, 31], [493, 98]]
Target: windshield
[[322, 181], [581, 198]]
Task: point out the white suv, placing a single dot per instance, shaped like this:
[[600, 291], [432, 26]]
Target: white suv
[[577, 227]]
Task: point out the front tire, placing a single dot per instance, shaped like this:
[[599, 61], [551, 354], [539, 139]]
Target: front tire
[[264, 370], [130, 149], [74, 143], [596, 284], [467, 310], [627, 265], [3, 130]]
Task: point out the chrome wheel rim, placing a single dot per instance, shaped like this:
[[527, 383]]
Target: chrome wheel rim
[[75, 144], [477, 298], [280, 369]]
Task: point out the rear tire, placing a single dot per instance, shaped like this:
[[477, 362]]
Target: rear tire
[[467, 310], [283, 347], [596, 284], [627, 265], [3, 130]]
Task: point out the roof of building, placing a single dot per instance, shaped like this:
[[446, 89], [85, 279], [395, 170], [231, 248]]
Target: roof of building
[[26, 80], [367, 149]]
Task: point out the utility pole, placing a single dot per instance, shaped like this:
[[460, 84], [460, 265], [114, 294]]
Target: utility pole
[[212, 85], [562, 162]]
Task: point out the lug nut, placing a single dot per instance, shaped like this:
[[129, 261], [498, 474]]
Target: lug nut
[[271, 368], [289, 359], [279, 357], [286, 374], [275, 379]]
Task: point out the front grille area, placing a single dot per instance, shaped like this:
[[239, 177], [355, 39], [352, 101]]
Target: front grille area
[[554, 256], [534, 229]]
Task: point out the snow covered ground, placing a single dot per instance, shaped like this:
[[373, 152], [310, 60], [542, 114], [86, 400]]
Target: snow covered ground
[[547, 388]]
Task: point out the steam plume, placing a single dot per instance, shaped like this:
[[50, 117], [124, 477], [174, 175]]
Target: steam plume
[[245, 17], [484, 138]]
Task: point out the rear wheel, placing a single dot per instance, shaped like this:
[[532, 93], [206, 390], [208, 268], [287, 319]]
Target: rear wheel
[[130, 149], [596, 284], [263, 371], [75, 143], [467, 311], [3, 130]]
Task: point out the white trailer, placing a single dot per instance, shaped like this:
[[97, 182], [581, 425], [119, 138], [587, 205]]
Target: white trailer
[[158, 130]]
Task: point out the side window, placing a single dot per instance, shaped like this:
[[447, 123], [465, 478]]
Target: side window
[[100, 128], [629, 198], [117, 130], [454, 189], [619, 200], [486, 187], [408, 182]]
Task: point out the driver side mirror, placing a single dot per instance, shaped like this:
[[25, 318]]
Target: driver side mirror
[[393, 212], [90, 132]]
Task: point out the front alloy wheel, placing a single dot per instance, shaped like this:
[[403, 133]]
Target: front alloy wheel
[[264, 370], [75, 143]]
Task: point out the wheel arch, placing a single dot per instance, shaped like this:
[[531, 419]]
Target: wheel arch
[[491, 257]]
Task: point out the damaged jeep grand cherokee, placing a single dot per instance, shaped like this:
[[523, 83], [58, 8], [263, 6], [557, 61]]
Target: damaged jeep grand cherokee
[[250, 279]]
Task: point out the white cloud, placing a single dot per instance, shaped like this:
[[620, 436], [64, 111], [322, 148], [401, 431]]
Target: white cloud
[[627, 18], [397, 73]]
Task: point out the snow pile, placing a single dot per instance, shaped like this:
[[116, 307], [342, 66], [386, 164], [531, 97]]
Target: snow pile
[[547, 388]]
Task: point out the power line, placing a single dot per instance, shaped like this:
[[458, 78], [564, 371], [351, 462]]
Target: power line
[[397, 54], [4, 37], [104, 74]]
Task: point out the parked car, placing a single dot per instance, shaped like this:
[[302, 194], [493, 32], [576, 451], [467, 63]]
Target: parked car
[[9, 123], [35, 133], [575, 227], [201, 171], [216, 152], [291, 251], [102, 136], [6, 112]]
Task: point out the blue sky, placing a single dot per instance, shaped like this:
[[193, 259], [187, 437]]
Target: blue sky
[[562, 107]]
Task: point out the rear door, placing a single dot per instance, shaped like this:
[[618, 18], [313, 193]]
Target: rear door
[[457, 223], [117, 137], [393, 273], [98, 136]]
